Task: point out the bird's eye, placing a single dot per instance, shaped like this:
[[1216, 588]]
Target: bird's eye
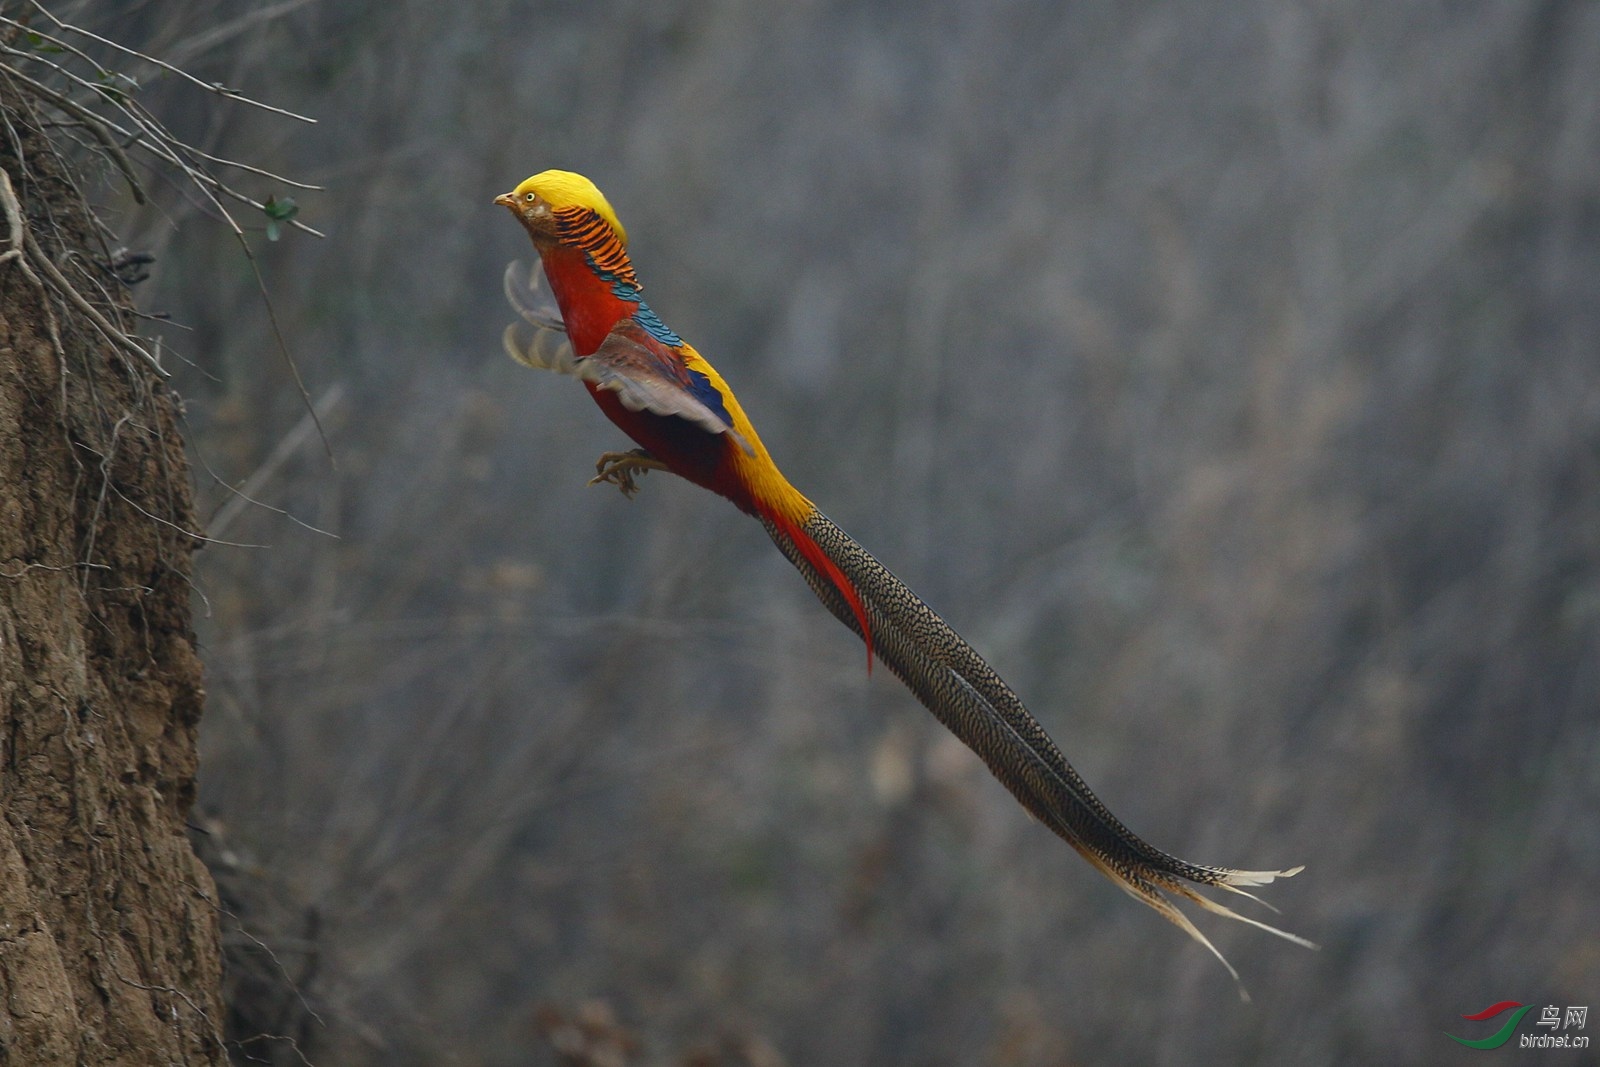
[[531, 197]]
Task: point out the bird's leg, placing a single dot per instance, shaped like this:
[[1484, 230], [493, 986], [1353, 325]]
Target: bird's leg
[[619, 469]]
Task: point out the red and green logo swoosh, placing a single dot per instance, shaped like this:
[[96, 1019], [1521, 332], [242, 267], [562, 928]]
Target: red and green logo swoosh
[[1500, 1036]]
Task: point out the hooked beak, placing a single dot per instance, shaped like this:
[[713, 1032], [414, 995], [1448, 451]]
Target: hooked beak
[[506, 200]]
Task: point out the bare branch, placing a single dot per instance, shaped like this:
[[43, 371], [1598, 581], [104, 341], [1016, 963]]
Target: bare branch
[[146, 131], [260, 172], [214, 87], [291, 443], [69, 292], [24, 247], [92, 122]]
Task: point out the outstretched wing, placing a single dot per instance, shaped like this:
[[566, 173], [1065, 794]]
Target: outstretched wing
[[528, 299], [545, 345], [632, 364], [646, 374]]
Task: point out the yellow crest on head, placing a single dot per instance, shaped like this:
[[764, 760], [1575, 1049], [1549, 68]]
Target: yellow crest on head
[[565, 189]]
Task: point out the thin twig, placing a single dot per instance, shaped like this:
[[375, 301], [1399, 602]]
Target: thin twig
[[155, 139], [26, 567], [204, 183], [94, 123], [151, 134], [148, 132], [66, 289], [244, 495], [214, 87], [24, 248], [14, 224], [255, 170], [63, 101]]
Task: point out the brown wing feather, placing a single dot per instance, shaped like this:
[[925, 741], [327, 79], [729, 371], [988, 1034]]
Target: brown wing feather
[[629, 362]]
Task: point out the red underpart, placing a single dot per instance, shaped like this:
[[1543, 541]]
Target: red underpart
[[688, 451], [588, 306], [706, 460], [590, 309]]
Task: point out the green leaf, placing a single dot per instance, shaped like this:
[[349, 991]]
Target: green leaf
[[282, 210], [39, 44], [278, 211]]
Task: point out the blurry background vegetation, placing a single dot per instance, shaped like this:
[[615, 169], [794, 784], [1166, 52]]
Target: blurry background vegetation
[[1226, 372]]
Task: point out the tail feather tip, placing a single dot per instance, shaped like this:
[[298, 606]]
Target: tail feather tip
[[1260, 877]]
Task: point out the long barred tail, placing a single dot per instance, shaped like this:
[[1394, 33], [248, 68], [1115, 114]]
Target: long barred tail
[[965, 694]]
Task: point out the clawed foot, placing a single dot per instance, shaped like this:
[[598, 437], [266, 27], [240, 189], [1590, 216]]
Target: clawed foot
[[619, 468]]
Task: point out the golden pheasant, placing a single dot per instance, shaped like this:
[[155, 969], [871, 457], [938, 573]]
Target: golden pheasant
[[686, 420]]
